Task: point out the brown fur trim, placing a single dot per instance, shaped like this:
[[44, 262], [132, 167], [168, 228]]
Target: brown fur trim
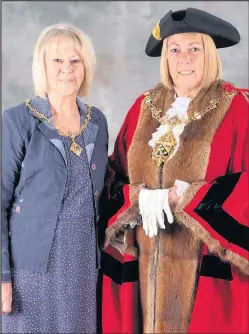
[[141, 168], [201, 233], [167, 295], [236, 260], [121, 233]]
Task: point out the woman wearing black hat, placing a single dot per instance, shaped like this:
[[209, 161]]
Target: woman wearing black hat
[[178, 192]]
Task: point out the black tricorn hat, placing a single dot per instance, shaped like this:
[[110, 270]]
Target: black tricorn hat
[[223, 33]]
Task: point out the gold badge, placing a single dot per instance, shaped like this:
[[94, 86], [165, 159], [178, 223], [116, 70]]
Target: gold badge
[[156, 32], [76, 148], [164, 148]]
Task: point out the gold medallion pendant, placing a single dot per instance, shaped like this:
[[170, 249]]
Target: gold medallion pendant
[[76, 148], [164, 148]]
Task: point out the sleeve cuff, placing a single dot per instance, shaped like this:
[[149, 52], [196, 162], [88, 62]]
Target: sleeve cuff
[[6, 277], [119, 232], [186, 215]]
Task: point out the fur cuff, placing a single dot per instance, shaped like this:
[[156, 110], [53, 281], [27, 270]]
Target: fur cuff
[[121, 233], [201, 233]]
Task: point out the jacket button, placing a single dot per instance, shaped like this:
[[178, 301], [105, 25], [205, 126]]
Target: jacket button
[[18, 208], [96, 193], [94, 166]]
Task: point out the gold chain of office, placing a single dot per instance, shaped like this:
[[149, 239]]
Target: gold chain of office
[[167, 143], [74, 147]]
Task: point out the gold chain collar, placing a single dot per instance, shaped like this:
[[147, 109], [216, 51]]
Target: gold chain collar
[[174, 120], [167, 143], [74, 147]]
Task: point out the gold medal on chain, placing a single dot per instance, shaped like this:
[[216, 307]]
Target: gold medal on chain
[[76, 148]]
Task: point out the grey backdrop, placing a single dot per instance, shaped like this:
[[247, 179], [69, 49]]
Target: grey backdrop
[[119, 30]]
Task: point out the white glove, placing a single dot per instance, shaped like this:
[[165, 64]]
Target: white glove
[[152, 205], [181, 186]]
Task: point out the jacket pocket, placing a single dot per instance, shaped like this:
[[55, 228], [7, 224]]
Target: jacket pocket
[[30, 247]]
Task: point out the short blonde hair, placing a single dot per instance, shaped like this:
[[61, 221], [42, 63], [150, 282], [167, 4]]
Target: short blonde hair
[[82, 44], [212, 67]]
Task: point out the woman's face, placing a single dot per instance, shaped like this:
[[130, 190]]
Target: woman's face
[[185, 54], [64, 67]]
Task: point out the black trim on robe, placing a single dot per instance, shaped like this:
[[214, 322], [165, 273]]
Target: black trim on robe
[[210, 209], [212, 266], [117, 271]]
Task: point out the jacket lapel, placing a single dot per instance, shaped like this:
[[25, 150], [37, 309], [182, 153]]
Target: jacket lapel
[[42, 105], [91, 131], [54, 138]]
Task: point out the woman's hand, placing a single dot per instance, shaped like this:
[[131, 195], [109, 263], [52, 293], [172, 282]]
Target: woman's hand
[[152, 205], [6, 298], [173, 198]]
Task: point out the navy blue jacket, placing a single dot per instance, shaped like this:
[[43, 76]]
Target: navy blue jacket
[[33, 181]]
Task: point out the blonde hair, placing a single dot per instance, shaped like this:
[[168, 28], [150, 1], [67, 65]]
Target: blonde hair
[[212, 67], [82, 44]]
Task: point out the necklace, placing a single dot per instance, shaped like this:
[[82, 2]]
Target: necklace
[[74, 147], [166, 144]]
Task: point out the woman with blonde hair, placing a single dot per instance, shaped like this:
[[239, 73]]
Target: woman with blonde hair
[[176, 247], [53, 166]]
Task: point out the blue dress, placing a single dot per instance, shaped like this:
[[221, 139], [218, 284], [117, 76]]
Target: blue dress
[[62, 300]]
